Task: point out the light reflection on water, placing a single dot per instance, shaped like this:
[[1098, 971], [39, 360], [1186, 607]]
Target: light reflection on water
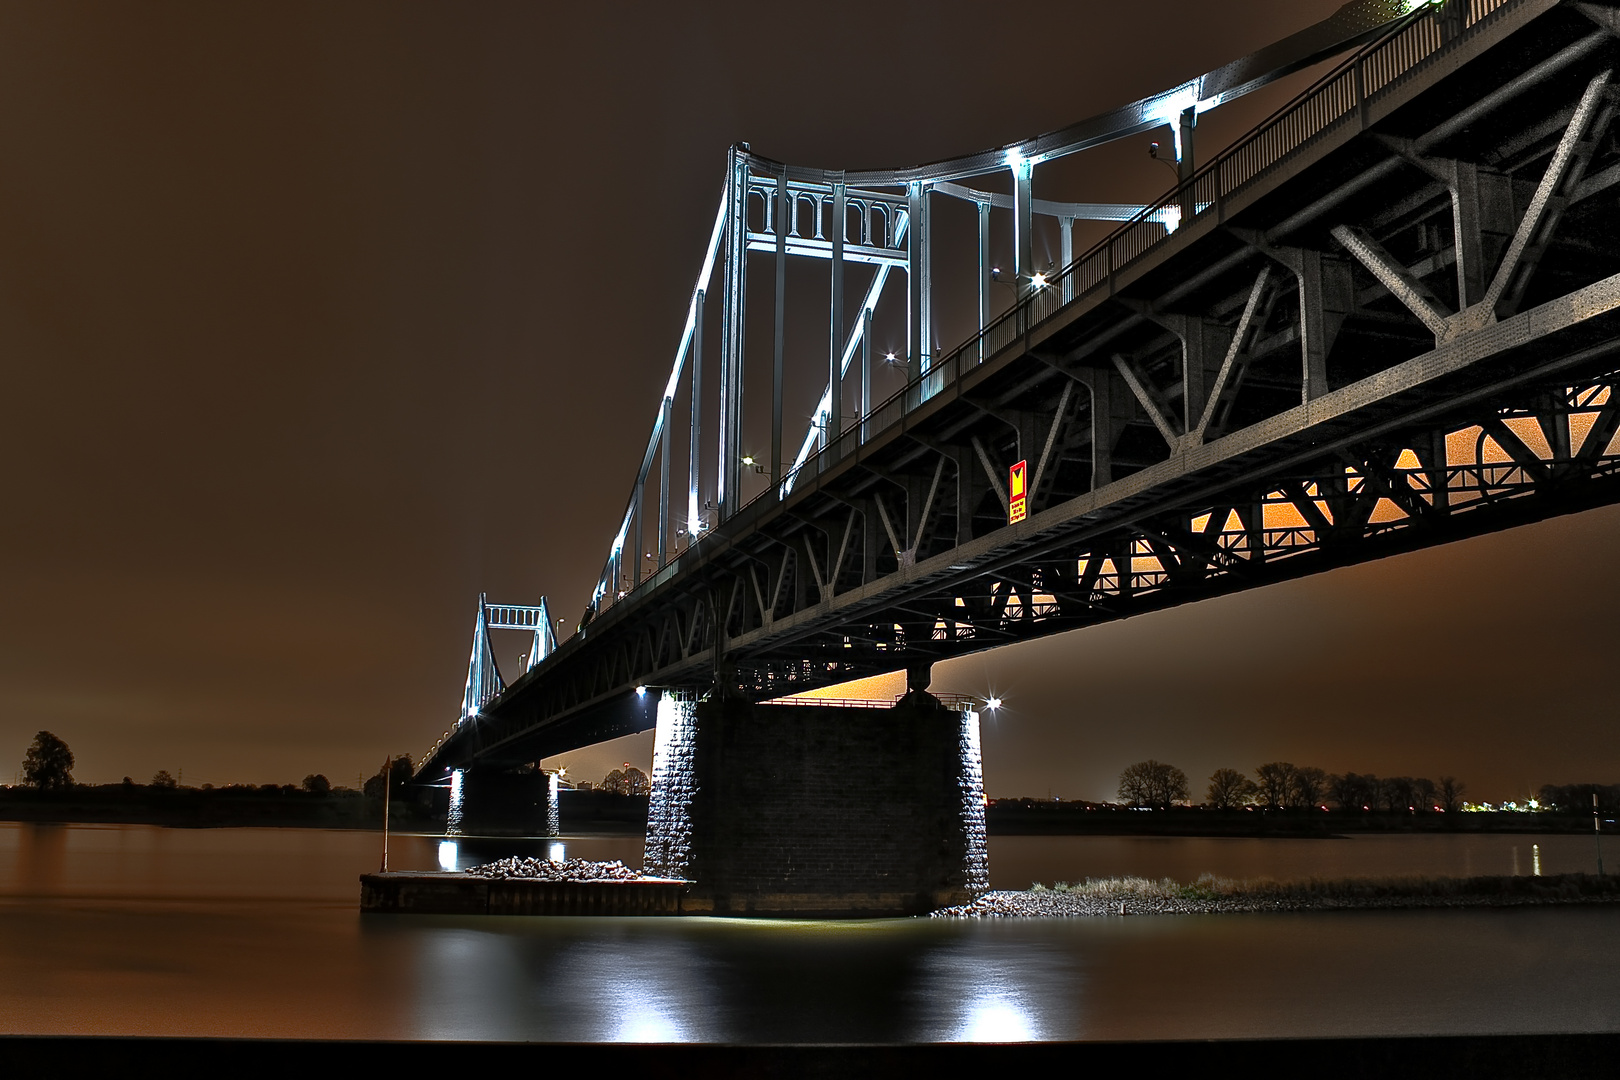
[[998, 998], [129, 929]]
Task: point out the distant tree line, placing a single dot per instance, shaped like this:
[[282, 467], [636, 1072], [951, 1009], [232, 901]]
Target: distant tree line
[[1152, 783], [626, 781], [1281, 785], [48, 766]]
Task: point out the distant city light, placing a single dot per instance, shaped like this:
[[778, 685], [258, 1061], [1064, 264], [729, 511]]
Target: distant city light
[[1530, 807]]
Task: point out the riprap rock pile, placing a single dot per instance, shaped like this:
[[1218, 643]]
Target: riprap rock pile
[[518, 866]]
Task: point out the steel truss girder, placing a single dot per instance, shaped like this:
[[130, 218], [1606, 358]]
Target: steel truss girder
[[783, 191], [1262, 476]]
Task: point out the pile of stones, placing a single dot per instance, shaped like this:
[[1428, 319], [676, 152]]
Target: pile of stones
[[1047, 903], [545, 870]]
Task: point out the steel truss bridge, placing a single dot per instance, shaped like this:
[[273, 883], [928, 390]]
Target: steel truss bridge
[[1387, 318]]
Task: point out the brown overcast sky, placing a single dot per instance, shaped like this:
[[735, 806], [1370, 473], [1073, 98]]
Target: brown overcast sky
[[318, 319]]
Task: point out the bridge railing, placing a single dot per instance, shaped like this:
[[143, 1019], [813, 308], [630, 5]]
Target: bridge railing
[[1338, 97]]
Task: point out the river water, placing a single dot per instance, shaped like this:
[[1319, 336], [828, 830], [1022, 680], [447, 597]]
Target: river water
[[255, 932]]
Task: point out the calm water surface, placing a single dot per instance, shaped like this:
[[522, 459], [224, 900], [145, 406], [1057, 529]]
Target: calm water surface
[[139, 930]]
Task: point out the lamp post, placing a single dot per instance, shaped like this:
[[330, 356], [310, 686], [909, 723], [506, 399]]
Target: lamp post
[[1021, 290], [1175, 170], [1597, 833]]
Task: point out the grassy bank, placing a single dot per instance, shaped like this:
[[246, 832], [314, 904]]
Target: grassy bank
[[1210, 894]]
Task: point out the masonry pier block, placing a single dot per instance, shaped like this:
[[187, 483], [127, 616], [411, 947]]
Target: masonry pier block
[[488, 802], [819, 811]]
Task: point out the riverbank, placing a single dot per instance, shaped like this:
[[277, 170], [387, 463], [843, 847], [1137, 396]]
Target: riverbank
[[1212, 895], [1032, 817], [238, 806], [272, 806], [424, 810]]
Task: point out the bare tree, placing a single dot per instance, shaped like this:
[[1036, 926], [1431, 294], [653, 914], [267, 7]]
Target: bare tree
[[1276, 782], [1136, 784], [1173, 786], [636, 782], [1229, 788], [1396, 792], [1451, 794], [627, 781], [1424, 793], [1152, 783], [1353, 791], [1306, 787]]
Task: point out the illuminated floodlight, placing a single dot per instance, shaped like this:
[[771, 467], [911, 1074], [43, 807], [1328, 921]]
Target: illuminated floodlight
[[992, 703], [748, 459], [1038, 281], [641, 691], [889, 357]]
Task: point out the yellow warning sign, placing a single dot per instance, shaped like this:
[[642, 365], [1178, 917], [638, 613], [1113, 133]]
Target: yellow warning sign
[[1017, 492]]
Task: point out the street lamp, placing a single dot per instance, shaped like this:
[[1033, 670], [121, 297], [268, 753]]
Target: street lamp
[[1153, 152], [1037, 280]]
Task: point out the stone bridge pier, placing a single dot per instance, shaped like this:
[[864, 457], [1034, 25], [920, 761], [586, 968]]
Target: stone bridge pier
[[493, 802], [818, 810]]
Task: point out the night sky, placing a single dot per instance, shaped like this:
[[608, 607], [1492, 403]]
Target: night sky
[[317, 320]]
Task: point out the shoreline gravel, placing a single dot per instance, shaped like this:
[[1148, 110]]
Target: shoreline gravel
[[1208, 896]]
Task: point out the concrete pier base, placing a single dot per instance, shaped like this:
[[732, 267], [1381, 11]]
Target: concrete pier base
[[820, 811]]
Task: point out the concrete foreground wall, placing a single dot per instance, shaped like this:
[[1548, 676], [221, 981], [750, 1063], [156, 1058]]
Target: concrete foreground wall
[[819, 811]]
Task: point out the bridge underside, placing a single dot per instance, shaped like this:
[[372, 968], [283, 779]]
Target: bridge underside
[[1403, 331]]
